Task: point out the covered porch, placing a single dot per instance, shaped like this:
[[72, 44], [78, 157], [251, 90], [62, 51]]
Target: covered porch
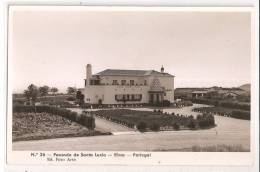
[[156, 97]]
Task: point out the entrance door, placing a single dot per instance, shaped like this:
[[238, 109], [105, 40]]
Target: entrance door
[[151, 98], [157, 98]]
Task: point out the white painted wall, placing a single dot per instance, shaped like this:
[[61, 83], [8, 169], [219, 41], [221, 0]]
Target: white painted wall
[[107, 92], [109, 79]]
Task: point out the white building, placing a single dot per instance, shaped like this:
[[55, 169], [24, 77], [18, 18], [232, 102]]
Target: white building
[[113, 86]]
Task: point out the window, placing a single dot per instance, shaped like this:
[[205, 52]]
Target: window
[[128, 97], [123, 82], [132, 82], [114, 82], [145, 82]]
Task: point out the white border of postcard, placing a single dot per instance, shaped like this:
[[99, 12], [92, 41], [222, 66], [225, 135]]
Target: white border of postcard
[[156, 158]]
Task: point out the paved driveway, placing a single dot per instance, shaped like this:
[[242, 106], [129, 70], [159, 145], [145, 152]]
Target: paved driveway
[[107, 126]]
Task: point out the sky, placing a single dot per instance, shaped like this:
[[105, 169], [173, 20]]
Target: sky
[[201, 49]]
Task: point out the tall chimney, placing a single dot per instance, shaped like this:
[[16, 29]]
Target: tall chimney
[[162, 69], [88, 73]]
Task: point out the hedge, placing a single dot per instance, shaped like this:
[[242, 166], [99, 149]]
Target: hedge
[[240, 114], [205, 120], [82, 119], [226, 104]]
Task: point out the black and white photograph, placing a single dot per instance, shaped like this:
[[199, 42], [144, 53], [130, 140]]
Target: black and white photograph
[[143, 80]]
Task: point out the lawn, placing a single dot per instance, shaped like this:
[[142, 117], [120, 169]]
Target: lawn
[[37, 126]]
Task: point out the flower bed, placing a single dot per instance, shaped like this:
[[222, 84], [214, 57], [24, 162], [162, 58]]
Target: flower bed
[[82, 119], [36, 126], [155, 121]]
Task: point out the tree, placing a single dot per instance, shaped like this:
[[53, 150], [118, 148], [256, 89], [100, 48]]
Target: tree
[[80, 98], [54, 90], [71, 90], [31, 94], [44, 90]]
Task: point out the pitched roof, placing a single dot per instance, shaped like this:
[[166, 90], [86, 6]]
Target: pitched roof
[[200, 92], [120, 72]]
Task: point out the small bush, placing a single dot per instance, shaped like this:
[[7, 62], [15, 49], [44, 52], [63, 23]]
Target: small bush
[[155, 127], [192, 124], [142, 126], [166, 103], [205, 120], [184, 103], [241, 114], [176, 126], [71, 99]]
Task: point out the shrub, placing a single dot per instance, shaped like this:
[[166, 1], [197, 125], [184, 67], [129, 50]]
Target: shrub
[[205, 120], [176, 126], [87, 121], [71, 99], [166, 103], [226, 104], [240, 114], [155, 127], [192, 124], [184, 103], [242, 106], [142, 126], [85, 106]]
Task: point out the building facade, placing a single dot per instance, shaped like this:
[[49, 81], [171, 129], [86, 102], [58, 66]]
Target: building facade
[[113, 86]]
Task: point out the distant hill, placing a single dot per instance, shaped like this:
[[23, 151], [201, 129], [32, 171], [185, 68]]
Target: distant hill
[[245, 87]]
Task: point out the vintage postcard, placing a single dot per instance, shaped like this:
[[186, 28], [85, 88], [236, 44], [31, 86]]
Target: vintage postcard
[[131, 85]]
